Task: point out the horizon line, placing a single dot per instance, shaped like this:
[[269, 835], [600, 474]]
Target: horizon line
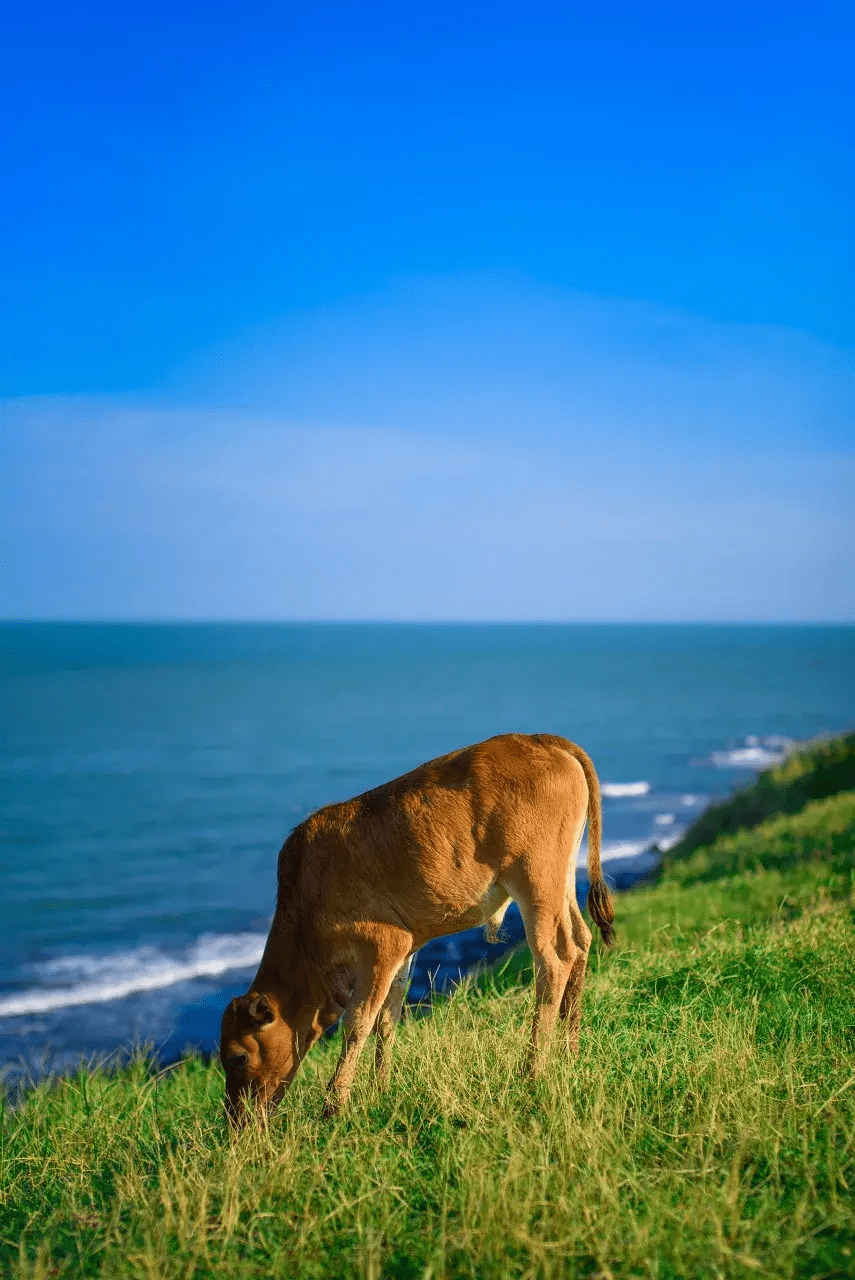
[[166, 621]]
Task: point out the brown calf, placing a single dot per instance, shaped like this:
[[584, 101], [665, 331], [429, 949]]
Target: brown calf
[[364, 884]]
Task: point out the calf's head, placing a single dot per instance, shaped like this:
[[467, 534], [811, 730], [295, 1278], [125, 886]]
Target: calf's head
[[260, 1052]]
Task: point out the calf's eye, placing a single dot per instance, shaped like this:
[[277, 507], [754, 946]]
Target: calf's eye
[[237, 1060]]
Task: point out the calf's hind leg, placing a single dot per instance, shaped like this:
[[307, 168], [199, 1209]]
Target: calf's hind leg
[[571, 1001], [549, 933]]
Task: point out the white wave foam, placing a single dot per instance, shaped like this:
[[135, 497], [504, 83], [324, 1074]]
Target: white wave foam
[[756, 753], [633, 848], [616, 789], [95, 979], [622, 848], [746, 758]]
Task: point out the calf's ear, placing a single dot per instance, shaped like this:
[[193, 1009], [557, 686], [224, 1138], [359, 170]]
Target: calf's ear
[[261, 1011]]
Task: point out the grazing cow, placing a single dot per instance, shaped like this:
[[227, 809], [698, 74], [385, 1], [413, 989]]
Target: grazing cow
[[365, 883]]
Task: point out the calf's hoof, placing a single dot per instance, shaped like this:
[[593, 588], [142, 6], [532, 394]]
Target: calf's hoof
[[333, 1105], [533, 1064]]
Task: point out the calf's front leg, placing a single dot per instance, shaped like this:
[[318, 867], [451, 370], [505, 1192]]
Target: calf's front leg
[[388, 1019], [383, 956]]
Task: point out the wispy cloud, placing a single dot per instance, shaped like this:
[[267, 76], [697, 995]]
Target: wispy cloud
[[482, 355], [120, 509]]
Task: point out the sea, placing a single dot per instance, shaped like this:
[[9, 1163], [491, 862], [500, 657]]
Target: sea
[[150, 773]]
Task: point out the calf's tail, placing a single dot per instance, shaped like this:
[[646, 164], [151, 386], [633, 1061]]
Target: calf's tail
[[600, 906]]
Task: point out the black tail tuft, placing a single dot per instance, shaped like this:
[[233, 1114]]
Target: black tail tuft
[[601, 910]]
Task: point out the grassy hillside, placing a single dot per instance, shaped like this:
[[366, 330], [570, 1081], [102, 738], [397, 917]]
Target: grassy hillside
[[820, 770], [707, 1127]]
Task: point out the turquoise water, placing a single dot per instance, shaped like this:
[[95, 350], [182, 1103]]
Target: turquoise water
[[149, 774]]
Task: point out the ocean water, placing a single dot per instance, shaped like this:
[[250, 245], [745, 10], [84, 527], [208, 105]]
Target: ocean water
[[149, 773]]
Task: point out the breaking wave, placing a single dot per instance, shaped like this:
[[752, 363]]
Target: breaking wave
[[617, 789], [79, 980], [622, 848], [755, 753]]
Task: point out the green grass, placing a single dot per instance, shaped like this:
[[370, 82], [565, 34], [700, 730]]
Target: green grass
[[707, 1127], [774, 870]]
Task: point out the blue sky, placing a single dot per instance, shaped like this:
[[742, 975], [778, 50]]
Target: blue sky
[[453, 312]]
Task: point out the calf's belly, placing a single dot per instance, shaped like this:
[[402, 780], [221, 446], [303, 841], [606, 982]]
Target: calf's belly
[[454, 914]]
